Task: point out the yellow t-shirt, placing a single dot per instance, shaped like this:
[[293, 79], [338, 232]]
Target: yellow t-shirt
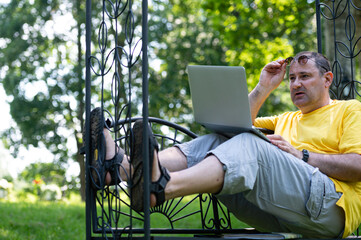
[[332, 129]]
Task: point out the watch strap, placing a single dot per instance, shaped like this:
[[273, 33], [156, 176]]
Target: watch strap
[[306, 155]]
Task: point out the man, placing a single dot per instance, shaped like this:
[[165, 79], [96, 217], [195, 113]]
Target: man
[[306, 181]]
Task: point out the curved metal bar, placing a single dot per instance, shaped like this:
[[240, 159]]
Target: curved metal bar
[[345, 44], [129, 28], [133, 52], [355, 46], [115, 9], [161, 122], [335, 16], [351, 29], [322, 12], [338, 43], [354, 5], [103, 36], [110, 206]]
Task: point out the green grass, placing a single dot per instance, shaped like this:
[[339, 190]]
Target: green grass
[[42, 220], [31, 219], [34, 220]]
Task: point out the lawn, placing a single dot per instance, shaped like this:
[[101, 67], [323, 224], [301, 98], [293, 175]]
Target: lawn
[[27, 220], [35, 220], [42, 220]]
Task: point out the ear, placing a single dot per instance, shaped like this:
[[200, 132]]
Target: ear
[[328, 78]]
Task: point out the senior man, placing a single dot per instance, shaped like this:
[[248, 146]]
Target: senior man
[[307, 180]]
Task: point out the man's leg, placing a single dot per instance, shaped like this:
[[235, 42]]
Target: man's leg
[[299, 196], [271, 179], [184, 181], [174, 158], [191, 170], [205, 177], [260, 184]]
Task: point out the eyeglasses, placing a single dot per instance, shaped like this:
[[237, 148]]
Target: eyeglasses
[[288, 60], [302, 60]]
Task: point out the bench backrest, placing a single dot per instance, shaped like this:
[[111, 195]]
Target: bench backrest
[[339, 39]]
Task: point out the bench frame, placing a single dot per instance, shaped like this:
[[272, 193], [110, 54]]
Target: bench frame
[[105, 208]]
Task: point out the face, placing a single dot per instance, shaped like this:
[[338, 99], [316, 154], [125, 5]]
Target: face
[[308, 88]]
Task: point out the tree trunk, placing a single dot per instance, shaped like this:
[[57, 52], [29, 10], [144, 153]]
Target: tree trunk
[[80, 111], [81, 161]]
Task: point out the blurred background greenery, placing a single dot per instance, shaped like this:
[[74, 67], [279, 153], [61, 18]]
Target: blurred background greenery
[[42, 73], [42, 63]]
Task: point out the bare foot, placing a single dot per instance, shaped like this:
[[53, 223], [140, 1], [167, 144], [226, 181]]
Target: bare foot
[[155, 176], [110, 153]]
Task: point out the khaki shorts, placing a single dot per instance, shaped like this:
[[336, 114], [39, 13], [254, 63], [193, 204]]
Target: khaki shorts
[[270, 189]]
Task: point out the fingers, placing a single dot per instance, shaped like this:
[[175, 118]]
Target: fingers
[[275, 65], [282, 144], [275, 137], [278, 141]]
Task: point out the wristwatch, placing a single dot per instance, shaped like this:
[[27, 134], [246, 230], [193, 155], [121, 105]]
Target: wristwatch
[[306, 155]]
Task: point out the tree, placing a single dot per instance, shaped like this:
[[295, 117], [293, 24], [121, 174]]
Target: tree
[[249, 33], [49, 173], [179, 35], [43, 69], [257, 32]]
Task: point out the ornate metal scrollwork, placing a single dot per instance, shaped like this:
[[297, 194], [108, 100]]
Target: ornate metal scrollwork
[[113, 68], [341, 32]]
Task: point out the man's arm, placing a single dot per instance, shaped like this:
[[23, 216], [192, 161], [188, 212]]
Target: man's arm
[[271, 77], [344, 167]]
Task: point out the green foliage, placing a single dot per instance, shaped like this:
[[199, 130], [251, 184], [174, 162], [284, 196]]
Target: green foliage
[[243, 22], [248, 33], [40, 75], [47, 172], [42, 70], [45, 181]]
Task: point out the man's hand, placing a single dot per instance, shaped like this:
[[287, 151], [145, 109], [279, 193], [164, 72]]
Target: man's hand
[[344, 167], [272, 75], [282, 144]]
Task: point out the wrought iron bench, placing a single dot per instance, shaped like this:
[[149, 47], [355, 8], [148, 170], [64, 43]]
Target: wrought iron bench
[[111, 214], [108, 215]]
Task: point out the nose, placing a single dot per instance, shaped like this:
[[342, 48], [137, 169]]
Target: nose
[[296, 83]]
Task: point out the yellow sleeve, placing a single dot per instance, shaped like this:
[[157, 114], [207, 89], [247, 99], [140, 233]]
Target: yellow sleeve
[[266, 122], [350, 139]]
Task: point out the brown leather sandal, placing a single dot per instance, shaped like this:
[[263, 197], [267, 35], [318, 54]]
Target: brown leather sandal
[[137, 189], [99, 166]]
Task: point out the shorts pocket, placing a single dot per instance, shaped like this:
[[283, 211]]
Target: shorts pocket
[[314, 203]]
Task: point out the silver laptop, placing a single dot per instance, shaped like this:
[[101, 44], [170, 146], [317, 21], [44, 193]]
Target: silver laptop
[[220, 99]]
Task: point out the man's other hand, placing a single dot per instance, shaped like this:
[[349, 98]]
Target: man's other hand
[[282, 144]]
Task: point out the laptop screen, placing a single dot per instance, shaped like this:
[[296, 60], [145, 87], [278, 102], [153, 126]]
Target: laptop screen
[[220, 97]]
